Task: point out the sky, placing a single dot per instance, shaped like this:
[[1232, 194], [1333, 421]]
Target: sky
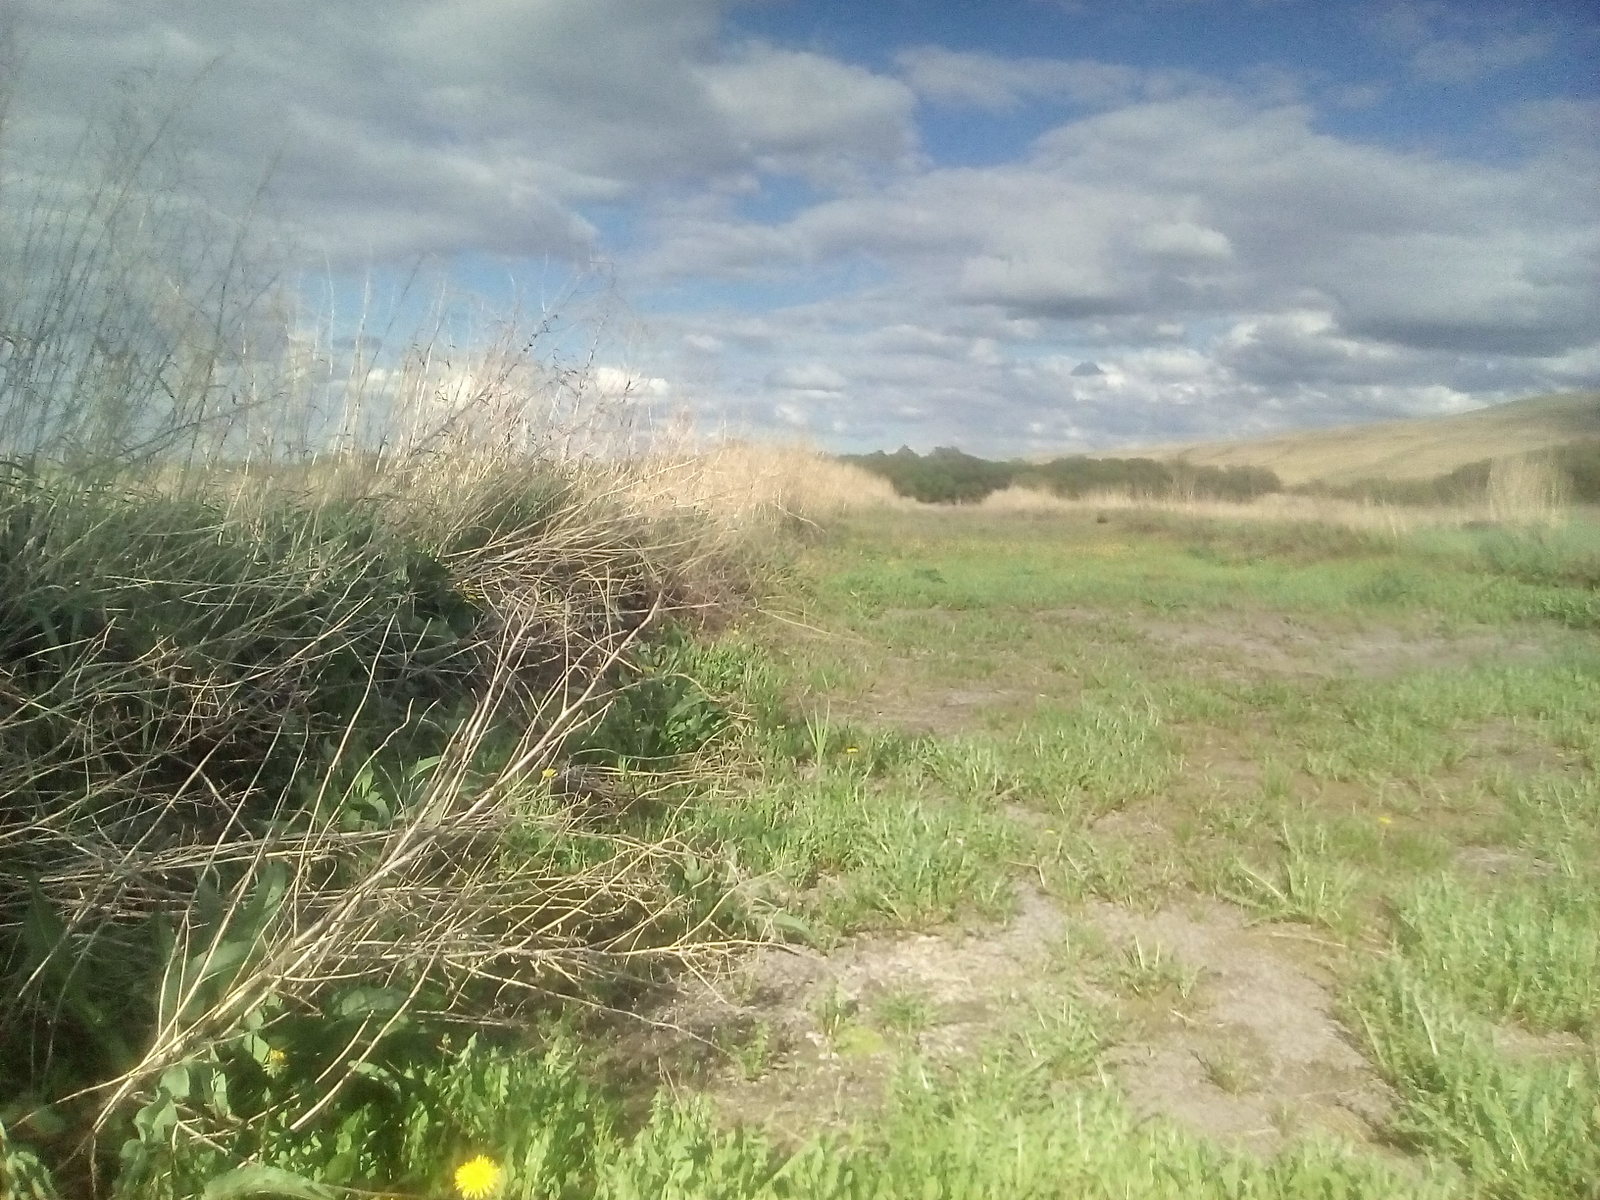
[[1016, 227]]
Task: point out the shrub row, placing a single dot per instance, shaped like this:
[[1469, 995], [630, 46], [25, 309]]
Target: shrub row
[[948, 476]]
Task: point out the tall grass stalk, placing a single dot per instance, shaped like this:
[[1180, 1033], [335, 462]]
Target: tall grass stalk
[[1526, 490]]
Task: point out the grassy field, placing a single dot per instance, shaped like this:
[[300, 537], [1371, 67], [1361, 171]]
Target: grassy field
[[1159, 857], [1125, 854]]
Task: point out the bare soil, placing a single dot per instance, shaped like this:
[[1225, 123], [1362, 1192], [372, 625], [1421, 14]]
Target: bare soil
[[1272, 644], [1241, 647], [1256, 1055], [1259, 1055]]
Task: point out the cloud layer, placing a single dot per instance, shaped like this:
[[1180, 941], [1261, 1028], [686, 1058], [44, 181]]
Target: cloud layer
[[1170, 250]]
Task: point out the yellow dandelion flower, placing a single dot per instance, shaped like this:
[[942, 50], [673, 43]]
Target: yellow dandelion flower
[[548, 773], [852, 749], [1386, 819], [478, 1178]]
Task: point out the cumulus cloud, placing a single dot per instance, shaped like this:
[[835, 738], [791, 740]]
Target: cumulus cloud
[[620, 382], [1224, 263], [1452, 60], [417, 127], [1177, 255], [1457, 45], [703, 343], [1206, 205], [804, 113]]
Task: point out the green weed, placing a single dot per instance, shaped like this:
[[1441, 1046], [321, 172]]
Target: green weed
[[904, 1011], [1307, 884], [1531, 954], [1519, 1130], [1152, 971]]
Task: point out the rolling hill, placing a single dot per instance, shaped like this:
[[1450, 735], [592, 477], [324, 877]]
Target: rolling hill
[[1414, 449]]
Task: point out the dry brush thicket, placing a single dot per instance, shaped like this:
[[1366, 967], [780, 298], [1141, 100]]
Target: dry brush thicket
[[307, 650]]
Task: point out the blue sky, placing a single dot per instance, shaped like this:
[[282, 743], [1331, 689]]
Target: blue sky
[[1021, 227]]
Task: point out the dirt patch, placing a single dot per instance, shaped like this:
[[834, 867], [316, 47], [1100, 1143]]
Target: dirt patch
[[1517, 751], [1257, 1056], [918, 708], [799, 1041], [1502, 860], [1263, 643], [806, 1041]]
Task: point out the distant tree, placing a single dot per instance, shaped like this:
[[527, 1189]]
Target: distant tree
[[945, 476]]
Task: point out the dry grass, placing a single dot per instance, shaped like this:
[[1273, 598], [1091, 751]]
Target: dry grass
[[739, 485], [1419, 449], [404, 570], [1526, 498], [1526, 490]]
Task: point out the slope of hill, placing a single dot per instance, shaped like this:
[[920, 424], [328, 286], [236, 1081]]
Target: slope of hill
[[1415, 449]]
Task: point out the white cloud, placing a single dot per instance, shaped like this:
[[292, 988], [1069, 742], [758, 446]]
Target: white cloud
[[620, 382], [994, 83], [809, 377], [421, 127], [1184, 240], [704, 343], [1226, 260], [1209, 206], [1454, 60], [1450, 44], [805, 113], [1226, 264]]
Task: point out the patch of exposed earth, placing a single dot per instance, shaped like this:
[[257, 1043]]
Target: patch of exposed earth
[[1273, 644], [797, 1043], [1240, 647], [825, 1062], [939, 711], [1502, 860], [1259, 1055]]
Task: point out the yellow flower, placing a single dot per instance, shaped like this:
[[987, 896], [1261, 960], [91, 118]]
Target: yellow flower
[[277, 1060], [478, 1177], [1385, 819], [852, 749], [548, 773]]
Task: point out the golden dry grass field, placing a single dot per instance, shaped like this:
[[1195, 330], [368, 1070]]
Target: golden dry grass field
[[1417, 449]]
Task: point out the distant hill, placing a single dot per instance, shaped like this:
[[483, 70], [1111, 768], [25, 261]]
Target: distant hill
[[1416, 449]]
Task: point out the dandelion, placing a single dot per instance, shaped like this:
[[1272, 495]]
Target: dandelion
[[548, 773], [277, 1060], [478, 1178], [1386, 819], [852, 749]]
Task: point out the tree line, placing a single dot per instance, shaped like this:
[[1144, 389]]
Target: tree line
[[949, 476]]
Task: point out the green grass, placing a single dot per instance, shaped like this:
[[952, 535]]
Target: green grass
[[1520, 1128], [1528, 954], [1193, 680], [1005, 1126], [1377, 752]]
